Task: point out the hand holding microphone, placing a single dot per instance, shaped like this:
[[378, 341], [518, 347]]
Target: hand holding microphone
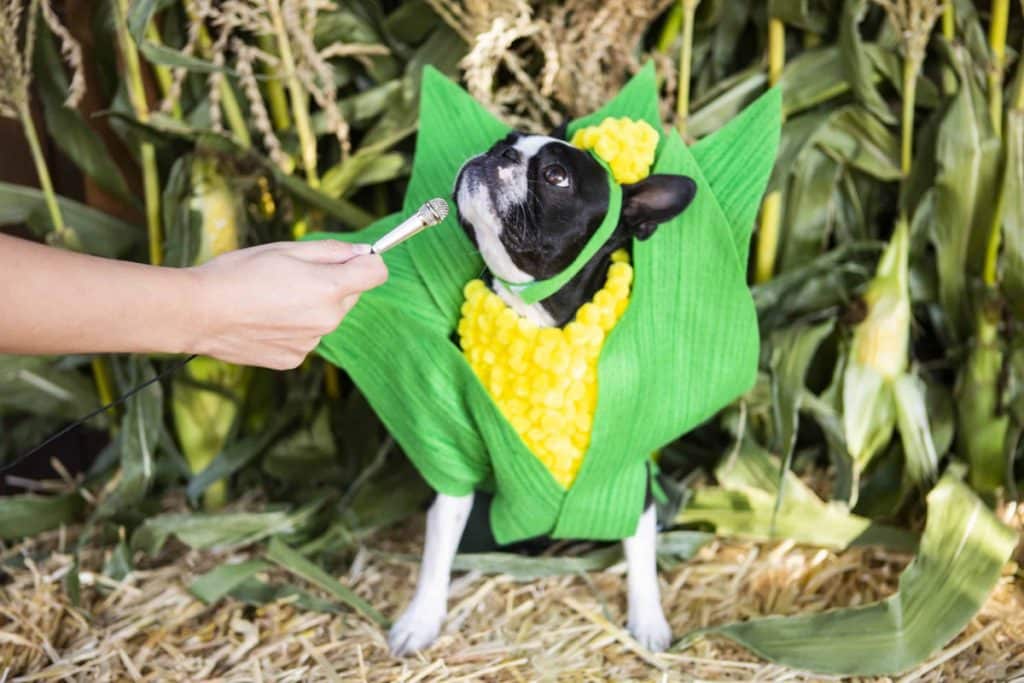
[[269, 305]]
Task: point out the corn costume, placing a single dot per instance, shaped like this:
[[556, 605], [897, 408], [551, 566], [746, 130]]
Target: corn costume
[[685, 345]]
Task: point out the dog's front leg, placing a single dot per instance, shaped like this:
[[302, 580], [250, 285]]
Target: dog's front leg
[[646, 619], [419, 625]]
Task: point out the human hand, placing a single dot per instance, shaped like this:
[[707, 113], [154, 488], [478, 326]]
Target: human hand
[[269, 305]]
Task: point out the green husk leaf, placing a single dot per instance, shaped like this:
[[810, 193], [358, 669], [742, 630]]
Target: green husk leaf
[[961, 556], [290, 559]]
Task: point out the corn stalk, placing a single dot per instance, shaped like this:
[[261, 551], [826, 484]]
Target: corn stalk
[[137, 96], [771, 209], [689, 10]]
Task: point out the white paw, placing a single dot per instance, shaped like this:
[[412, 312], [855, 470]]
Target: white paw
[[416, 629], [651, 630]]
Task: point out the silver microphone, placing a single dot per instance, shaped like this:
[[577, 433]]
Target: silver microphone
[[431, 213]]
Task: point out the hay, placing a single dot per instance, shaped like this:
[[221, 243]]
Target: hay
[[149, 628]]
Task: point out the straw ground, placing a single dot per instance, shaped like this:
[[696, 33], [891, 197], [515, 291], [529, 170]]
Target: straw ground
[[148, 627]]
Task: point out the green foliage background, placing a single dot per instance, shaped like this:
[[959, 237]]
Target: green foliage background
[[307, 456]]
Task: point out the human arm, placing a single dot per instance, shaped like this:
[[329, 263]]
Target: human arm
[[266, 305]]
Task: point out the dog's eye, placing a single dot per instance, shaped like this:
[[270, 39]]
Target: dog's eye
[[556, 175]]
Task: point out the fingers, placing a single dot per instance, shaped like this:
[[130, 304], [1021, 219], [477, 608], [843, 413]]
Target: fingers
[[324, 251], [359, 274]]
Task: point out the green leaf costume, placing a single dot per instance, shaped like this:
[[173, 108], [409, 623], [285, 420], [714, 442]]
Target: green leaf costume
[[686, 346]]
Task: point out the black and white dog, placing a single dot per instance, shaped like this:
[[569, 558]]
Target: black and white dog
[[530, 204]]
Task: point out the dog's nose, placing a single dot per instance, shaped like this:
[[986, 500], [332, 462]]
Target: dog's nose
[[512, 154]]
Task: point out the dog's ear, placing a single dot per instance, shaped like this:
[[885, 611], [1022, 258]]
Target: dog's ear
[[655, 200], [561, 131]]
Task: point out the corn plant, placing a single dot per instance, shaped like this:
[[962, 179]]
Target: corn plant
[[887, 266]]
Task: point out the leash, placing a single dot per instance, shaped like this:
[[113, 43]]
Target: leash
[[79, 422]]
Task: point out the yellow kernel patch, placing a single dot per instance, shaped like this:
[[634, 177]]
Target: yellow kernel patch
[[544, 380], [627, 146]]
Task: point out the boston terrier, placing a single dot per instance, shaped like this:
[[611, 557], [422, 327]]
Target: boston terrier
[[529, 205]]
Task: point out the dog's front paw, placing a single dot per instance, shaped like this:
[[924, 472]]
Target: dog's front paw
[[417, 628], [651, 630]]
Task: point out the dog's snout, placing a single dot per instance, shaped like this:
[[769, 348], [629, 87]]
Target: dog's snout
[[512, 154]]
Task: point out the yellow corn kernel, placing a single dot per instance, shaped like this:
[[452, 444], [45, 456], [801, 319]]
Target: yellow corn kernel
[[627, 146], [544, 380]]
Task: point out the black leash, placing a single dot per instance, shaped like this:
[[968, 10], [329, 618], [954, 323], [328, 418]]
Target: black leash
[[78, 423]]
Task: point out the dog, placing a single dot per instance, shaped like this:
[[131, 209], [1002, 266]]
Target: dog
[[529, 205]]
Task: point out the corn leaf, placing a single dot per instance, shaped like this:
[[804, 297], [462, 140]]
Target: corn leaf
[[290, 559], [227, 530], [252, 591], [677, 544], [216, 583], [967, 152], [94, 232], [41, 386], [961, 556], [857, 65], [67, 127], [912, 416], [29, 515], [748, 505], [142, 427], [1013, 226]]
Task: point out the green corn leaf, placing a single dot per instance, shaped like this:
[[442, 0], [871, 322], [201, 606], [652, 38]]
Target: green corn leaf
[[857, 65], [290, 559], [982, 422], [67, 127], [810, 15], [677, 544], [216, 583], [41, 386], [1013, 218], [809, 208], [912, 417], [139, 17], [227, 530], [142, 426], [93, 232], [967, 152], [29, 515], [748, 505], [960, 559], [858, 138], [252, 591], [792, 352]]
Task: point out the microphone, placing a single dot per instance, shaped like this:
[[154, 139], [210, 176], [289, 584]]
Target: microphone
[[431, 213]]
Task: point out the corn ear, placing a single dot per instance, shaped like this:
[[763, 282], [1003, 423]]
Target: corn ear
[[878, 355], [207, 398]]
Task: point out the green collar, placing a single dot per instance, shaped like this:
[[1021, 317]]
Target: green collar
[[538, 290]]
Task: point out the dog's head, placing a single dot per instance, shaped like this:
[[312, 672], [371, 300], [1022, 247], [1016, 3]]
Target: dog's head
[[531, 203]]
